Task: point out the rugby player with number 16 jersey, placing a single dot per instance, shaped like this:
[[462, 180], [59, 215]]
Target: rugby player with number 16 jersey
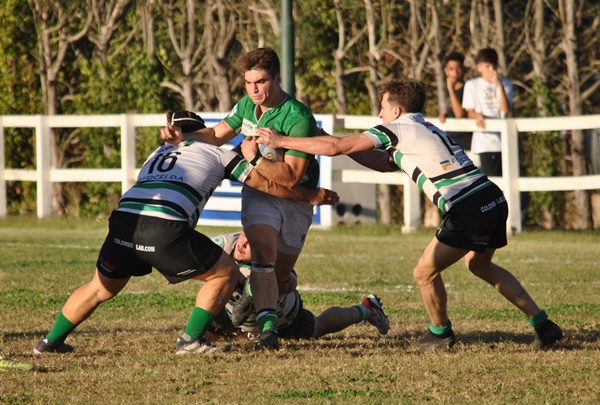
[[154, 227]]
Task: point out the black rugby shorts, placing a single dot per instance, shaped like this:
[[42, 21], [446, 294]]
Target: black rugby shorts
[[476, 223], [137, 243]]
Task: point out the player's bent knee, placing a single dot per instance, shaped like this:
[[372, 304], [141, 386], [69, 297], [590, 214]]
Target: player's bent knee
[[423, 275], [477, 267]]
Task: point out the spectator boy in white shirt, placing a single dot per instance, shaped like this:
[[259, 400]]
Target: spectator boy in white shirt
[[488, 96]]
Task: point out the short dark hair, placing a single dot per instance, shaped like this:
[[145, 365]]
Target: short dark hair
[[487, 55], [260, 58], [188, 121], [456, 57], [408, 94]]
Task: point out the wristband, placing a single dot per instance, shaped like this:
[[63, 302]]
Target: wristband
[[256, 159]]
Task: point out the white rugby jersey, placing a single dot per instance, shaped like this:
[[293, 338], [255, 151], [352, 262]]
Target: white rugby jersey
[[288, 305], [177, 180], [437, 165]]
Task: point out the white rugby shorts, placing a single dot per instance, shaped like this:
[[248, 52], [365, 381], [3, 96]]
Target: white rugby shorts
[[291, 218]]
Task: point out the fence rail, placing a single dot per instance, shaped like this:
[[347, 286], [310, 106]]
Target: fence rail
[[511, 182]]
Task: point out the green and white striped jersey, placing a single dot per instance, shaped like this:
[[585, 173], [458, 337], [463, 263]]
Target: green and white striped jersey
[[177, 180], [431, 158]]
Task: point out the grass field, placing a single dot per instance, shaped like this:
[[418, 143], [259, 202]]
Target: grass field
[[125, 353]]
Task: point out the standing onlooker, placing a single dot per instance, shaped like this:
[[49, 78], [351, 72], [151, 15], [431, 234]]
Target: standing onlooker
[[454, 69], [488, 96]]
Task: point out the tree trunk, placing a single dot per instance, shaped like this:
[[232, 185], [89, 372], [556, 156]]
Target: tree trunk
[[340, 101], [499, 40], [384, 198], [54, 24], [183, 35], [373, 57], [578, 155], [146, 8], [536, 46], [219, 33], [431, 217], [106, 20]]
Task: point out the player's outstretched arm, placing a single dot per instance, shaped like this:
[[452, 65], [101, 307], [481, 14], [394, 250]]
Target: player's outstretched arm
[[326, 145], [217, 135], [289, 172], [375, 159]]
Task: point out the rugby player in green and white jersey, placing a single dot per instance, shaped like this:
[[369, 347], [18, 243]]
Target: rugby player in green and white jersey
[[294, 321], [154, 227], [474, 209], [276, 227]]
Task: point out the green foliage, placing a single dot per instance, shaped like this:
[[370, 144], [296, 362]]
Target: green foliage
[[19, 94], [545, 157], [20, 197], [107, 88], [316, 40], [19, 81]]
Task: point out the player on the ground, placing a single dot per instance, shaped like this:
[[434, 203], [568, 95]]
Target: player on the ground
[[295, 321], [154, 227]]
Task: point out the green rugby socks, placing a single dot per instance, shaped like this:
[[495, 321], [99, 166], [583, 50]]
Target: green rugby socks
[[61, 329], [361, 310], [441, 330], [198, 323], [267, 320], [538, 319]]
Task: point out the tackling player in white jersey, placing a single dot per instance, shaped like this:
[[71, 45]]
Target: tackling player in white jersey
[[474, 209], [154, 227]]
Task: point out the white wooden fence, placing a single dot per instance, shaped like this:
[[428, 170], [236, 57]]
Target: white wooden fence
[[223, 208], [511, 183]]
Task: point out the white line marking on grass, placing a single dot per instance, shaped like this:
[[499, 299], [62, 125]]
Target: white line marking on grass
[[50, 246], [316, 288]]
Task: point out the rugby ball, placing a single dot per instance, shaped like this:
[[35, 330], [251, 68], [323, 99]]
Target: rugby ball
[[274, 155]]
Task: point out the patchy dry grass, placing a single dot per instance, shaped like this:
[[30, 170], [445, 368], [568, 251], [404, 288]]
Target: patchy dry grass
[[125, 352]]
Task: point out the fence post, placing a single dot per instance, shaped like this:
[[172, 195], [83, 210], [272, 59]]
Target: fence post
[[510, 174], [412, 206], [43, 162], [127, 152]]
